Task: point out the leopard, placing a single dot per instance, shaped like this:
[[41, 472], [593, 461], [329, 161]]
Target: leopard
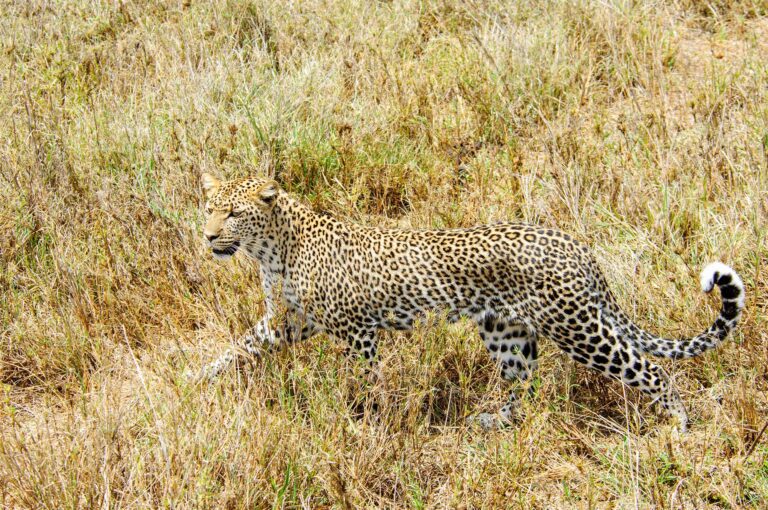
[[518, 282]]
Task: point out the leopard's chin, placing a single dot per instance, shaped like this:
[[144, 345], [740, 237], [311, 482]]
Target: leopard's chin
[[225, 253]]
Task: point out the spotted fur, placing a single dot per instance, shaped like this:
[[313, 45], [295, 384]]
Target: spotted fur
[[517, 282]]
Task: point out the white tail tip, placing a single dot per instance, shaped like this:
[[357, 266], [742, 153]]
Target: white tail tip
[[714, 272]]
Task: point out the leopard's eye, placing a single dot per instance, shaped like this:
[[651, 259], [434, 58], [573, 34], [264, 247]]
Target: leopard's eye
[[208, 210], [235, 214]]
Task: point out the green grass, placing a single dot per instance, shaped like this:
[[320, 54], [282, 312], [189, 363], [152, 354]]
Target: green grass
[[639, 127]]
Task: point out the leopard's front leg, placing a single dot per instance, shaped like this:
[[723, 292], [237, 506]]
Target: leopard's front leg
[[263, 338], [361, 347]]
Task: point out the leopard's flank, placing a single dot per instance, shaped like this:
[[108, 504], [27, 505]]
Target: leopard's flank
[[517, 282]]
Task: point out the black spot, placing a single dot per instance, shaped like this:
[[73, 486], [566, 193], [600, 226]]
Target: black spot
[[605, 349], [730, 310], [629, 374], [526, 350], [488, 325], [494, 347], [614, 369], [580, 359], [729, 292], [600, 359], [724, 280], [503, 347]]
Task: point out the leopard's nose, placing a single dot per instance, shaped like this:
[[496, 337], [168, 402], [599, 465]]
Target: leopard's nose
[[211, 237]]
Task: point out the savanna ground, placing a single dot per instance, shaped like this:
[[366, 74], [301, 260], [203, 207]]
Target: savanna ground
[[641, 127]]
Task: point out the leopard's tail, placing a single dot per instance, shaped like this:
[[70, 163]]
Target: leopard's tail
[[732, 294]]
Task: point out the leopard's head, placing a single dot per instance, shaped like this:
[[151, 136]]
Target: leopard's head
[[237, 213]]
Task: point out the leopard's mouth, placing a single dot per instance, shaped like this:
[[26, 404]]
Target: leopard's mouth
[[225, 253]]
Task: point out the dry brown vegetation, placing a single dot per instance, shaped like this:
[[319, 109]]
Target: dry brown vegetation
[[641, 127]]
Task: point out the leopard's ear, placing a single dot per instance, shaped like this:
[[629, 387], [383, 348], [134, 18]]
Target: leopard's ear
[[267, 193], [211, 185]]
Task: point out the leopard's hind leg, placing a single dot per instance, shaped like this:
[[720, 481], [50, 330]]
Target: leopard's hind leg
[[514, 347], [600, 345]]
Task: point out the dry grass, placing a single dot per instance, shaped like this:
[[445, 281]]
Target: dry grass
[[641, 127]]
